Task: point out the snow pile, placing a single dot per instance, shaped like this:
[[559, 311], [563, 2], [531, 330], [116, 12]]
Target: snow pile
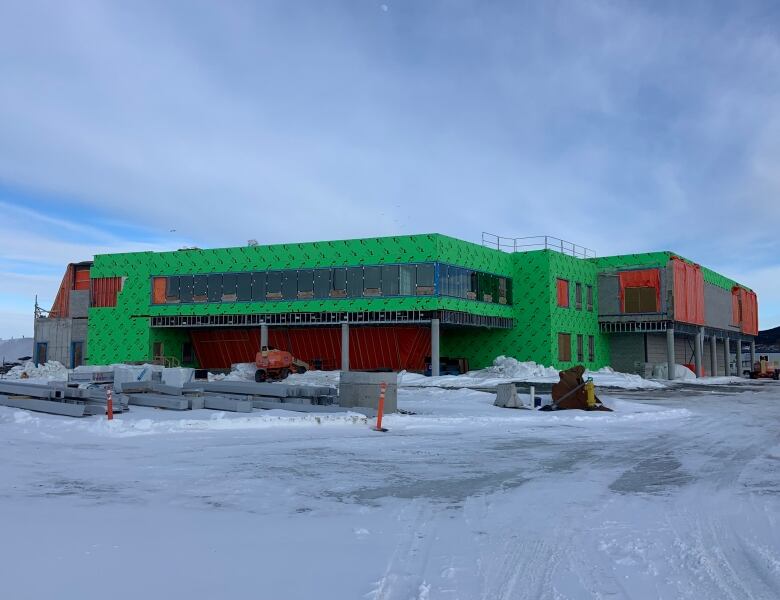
[[50, 371], [680, 372], [511, 368]]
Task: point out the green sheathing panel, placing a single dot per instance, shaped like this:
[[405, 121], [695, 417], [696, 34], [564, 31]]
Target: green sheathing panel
[[571, 320], [530, 338], [123, 333]]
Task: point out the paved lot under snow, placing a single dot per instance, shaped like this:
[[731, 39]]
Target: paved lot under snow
[[675, 495]]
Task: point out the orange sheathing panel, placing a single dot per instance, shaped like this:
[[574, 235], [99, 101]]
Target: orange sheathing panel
[[81, 281], [62, 300], [642, 278], [105, 291], [158, 290], [735, 315], [398, 348], [562, 287], [688, 292], [749, 322]]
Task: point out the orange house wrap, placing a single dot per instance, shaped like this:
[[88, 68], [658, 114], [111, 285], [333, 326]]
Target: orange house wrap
[[688, 292]]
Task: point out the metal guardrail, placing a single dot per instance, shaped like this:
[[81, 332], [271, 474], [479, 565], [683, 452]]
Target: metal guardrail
[[536, 242]]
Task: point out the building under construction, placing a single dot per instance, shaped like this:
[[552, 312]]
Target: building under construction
[[420, 302]]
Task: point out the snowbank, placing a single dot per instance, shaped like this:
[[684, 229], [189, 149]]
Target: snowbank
[[50, 371], [680, 372]]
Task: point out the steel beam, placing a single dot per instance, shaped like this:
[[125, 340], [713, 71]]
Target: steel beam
[[159, 401], [53, 407], [228, 404]]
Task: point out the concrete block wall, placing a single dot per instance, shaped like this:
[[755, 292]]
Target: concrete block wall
[[56, 333]]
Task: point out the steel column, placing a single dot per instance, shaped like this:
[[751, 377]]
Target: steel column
[[670, 352], [263, 335], [739, 358], [726, 356], [345, 346], [752, 353], [435, 347], [697, 350], [713, 356]]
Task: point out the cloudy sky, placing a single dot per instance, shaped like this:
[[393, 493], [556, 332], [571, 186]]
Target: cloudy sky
[[620, 126]]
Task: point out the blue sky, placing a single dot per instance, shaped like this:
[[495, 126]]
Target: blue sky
[[624, 127]]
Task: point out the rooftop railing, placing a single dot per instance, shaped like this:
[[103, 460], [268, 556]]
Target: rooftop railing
[[536, 242]]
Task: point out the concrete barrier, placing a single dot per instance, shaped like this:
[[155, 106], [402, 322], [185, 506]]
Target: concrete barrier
[[360, 388]]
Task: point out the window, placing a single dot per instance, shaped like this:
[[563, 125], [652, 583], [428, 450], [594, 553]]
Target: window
[[641, 300], [185, 288], [578, 295], [289, 285], [321, 283], [215, 288], [426, 280], [355, 282], [502, 290], [172, 290], [372, 281], [563, 293], [273, 285], [243, 287], [229, 285], [339, 285], [580, 348], [158, 349], [187, 353], [200, 286], [306, 284], [472, 285], [488, 290], [564, 347], [591, 348], [390, 275], [258, 287], [589, 297], [408, 280]]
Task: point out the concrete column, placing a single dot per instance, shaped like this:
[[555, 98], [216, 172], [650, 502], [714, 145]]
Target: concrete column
[[752, 353], [697, 348], [435, 347], [726, 356], [263, 335], [713, 356], [739, 358], [345, 346], [670, 351]]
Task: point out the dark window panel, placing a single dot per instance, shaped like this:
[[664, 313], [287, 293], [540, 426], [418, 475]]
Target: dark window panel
[[258, 286], [289, 285], [408, 280], [306, 283], [339, 288], [200, 288], [243, 287], [172, 289], [322, 284], [390, 282], [564, 347], [273, 285], [355, 282], [502, 291], [580, 348], [215, 287], [372, 281], [185, 288], [229, 283]]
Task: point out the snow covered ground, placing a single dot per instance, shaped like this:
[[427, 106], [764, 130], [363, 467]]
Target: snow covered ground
[[674, 495]]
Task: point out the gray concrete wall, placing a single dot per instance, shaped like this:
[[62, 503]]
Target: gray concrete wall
[[79, 304], [626, 350], [656, 348], [717, 307], [57, 334], [360, 388], [609, 292]]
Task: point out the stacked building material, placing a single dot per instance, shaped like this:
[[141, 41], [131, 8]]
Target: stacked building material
[[59, 398]]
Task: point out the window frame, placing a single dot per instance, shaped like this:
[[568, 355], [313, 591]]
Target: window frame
[[562, 356], [558, 286], [580, 348]]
